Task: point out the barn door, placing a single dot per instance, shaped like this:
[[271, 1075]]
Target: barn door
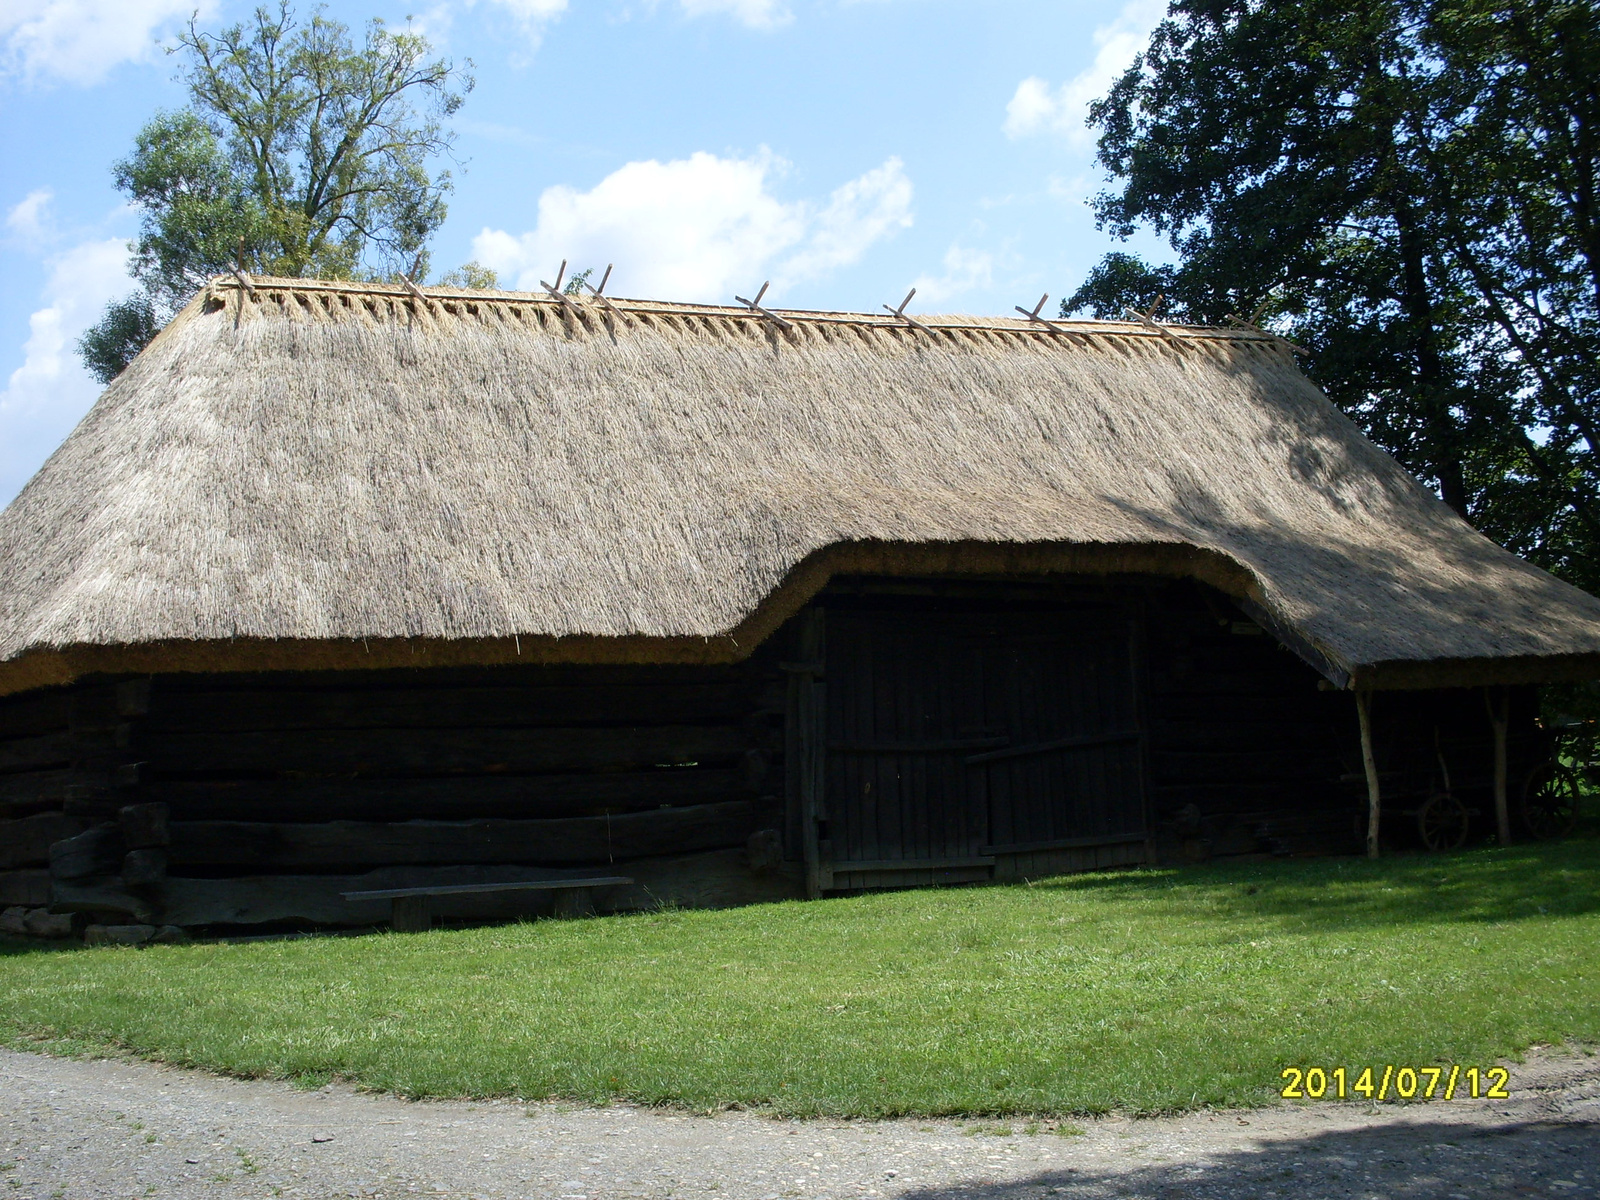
[[1070, 774], [952, 738]]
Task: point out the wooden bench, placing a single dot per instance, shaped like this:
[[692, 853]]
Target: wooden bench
[[412, 909]]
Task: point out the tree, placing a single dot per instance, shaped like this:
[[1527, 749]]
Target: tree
[[473, 276], [300, 153], [1409, 189]]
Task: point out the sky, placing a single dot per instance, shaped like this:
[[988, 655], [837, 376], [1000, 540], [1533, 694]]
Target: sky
[[845, 150]]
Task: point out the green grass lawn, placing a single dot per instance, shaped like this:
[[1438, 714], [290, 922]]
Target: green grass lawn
[[1139, 990]]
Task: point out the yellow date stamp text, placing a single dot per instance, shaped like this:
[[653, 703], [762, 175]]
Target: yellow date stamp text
[[1395, 1083]]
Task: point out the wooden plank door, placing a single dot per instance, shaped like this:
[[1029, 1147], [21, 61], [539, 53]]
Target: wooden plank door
[[1071, 774], [953, 737]]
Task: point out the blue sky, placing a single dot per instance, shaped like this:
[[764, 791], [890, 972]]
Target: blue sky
[[845, 149]]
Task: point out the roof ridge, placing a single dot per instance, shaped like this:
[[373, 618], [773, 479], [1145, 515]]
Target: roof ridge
[[1167, 332]]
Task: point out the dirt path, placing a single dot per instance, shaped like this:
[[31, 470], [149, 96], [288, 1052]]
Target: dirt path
[[71, 1129]]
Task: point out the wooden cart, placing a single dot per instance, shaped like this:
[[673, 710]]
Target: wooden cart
[[1552, 794], [1440, 790]]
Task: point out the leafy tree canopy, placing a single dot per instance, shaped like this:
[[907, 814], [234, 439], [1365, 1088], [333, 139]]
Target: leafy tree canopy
[[301, 153], [1409, 189]]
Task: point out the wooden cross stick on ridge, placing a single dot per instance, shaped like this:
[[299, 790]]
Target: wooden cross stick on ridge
[[599, 293], [555, 290], [755, 307], [239, 272], [1148, 320], [901, 312], [1254, 326], [1035, 317]]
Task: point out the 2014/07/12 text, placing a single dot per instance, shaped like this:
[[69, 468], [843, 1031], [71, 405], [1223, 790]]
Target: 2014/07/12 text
[[1395, 1083]]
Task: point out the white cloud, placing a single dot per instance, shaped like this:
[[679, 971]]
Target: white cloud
[[81, 40], [963, 270], [30, 220], [757, 14], [1036, 108], [700, 228], [863, 211], [532, 16], [50, 391]]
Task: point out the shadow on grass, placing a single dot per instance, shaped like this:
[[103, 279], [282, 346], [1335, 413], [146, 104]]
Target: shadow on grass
[[1519, 882], [1433, 1159], [15, 947]]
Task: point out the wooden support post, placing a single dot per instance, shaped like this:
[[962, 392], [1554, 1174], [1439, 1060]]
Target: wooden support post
[[574, 902], [413, 914], [1370, 763], [1500, 718]]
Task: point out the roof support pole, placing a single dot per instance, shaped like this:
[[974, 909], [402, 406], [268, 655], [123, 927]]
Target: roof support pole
[[1370, 763], [1499, 702]]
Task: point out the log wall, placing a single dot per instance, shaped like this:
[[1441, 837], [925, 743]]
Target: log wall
[[234, 790], [247, 799], [63, 769]]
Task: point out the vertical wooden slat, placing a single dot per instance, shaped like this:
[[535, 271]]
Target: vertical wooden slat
[[813, 731], [1139, 695]]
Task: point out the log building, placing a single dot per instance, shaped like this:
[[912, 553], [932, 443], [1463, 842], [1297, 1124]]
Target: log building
[[342, 588]]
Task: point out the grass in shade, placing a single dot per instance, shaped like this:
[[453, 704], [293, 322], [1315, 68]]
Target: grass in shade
[[1142, 990]]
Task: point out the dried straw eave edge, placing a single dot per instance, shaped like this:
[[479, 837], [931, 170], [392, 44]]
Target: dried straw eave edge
[[47, 666]]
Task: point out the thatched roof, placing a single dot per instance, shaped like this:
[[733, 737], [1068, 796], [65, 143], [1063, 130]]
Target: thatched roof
[[311, 474]]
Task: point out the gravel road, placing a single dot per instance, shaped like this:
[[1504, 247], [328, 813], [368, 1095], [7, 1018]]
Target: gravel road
[[72, 1129]]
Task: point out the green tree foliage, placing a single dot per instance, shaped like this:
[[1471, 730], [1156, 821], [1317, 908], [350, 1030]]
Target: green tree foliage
[[126, 328], [473, 276], [1409, 188], [301, 153]]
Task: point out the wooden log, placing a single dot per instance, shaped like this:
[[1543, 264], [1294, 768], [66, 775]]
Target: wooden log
[[424, 707], [26, 842], [1216, 736], [1251, 712], [31, 715], [29, 888], [391, 752], [1197, 682], [101, 896], [144, 825], [566, 840], [314, 899], [708, 880], [96, 851], [1369, 763], [142, 868], [108, 706], [298, 800], [29, 791], [1196, 767], [320, 899], [714, 879], [1327, 794], [38, 753]]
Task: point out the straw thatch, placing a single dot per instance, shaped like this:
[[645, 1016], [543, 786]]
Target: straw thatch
[[308, 474]]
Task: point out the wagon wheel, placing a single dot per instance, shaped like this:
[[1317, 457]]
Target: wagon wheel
[[1442, 822], [1550, 801]]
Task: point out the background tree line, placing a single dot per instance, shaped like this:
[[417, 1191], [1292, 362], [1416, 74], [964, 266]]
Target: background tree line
[[1407, 188]]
